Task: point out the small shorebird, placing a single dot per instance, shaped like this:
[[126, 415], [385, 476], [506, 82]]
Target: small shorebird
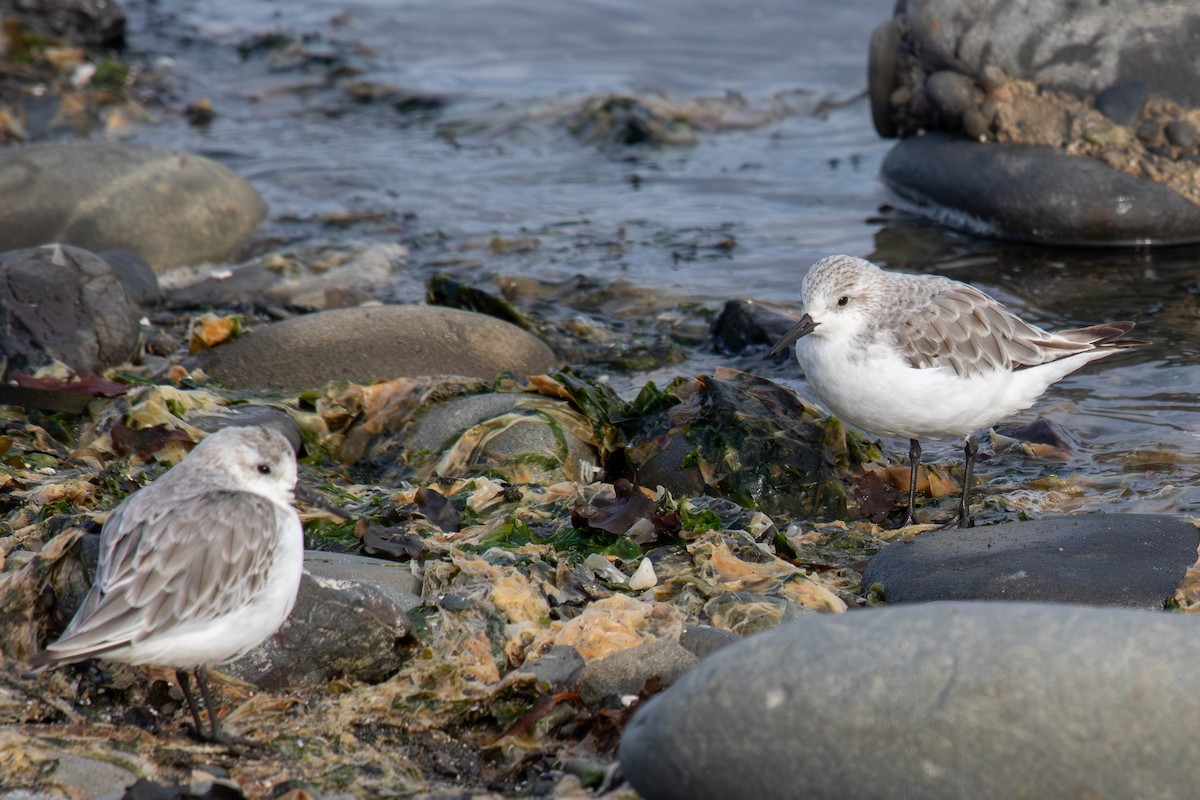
[[197, 568], [922, 356]]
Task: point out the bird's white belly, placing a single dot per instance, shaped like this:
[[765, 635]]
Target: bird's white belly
[[881, 394]]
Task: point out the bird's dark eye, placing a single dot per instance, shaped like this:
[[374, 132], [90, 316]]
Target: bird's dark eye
[[265, 469], [843, 300]]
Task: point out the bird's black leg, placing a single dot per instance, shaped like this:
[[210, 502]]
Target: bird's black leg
[[234, 743], [202, 680], [970, 449], [185, 684], [914, 463], [215, 733]]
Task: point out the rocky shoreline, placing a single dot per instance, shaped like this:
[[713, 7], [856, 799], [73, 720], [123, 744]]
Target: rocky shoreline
[[511, 559]]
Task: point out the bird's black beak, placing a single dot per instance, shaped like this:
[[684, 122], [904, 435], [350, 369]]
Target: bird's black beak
[[802, 328]]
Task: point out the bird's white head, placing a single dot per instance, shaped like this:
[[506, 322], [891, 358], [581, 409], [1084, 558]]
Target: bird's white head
[[252, 459], [840, 294]]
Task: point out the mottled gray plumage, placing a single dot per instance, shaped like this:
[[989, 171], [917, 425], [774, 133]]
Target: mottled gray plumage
[[198, 567]]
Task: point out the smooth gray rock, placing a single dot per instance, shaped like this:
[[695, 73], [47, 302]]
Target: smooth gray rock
[[244, 284], [167, 207], [1034, 194], [345, 623], [1135, 560], [936, 701], [62, 302], [627, 671], [376, 342]]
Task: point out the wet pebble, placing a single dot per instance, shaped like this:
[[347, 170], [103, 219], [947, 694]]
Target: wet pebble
[[1135, 560], [1180, 134], [951, 94], [701, 640], [65, 303], [895, 702], [167, 207], [1150, 132], [376, 342], [1123, 103]]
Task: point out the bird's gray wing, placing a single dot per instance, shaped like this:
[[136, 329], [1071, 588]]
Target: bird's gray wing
[[162, 565], [962, 328]]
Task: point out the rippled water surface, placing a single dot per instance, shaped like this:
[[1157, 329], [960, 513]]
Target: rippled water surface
[[469, 159]]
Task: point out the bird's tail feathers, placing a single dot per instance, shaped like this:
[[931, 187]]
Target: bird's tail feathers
[[1106, 333]]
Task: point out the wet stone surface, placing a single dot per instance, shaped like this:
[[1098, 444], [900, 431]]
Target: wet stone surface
[[1134, 560], [894, 703]]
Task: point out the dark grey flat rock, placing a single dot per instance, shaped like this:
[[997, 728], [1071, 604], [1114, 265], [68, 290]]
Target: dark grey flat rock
[[377, 342], [936, 701], [1035, 194], [1135, 560], [65, 303]]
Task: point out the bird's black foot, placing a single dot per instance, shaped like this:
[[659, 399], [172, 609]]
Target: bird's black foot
[[957, 521], [236, 745]]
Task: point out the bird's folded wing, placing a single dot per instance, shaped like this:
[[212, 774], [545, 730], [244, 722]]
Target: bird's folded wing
[[965, 330], [163, 567]]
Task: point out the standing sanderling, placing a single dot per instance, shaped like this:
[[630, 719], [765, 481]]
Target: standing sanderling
[[922, 356], [197, 568]]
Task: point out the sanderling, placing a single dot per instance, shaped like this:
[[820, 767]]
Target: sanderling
[[922, 356], [197, 568]]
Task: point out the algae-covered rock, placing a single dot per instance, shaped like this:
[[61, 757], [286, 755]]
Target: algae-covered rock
[[743, 437]]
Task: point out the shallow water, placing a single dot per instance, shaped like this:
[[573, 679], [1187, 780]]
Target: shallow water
[[664, 234]]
